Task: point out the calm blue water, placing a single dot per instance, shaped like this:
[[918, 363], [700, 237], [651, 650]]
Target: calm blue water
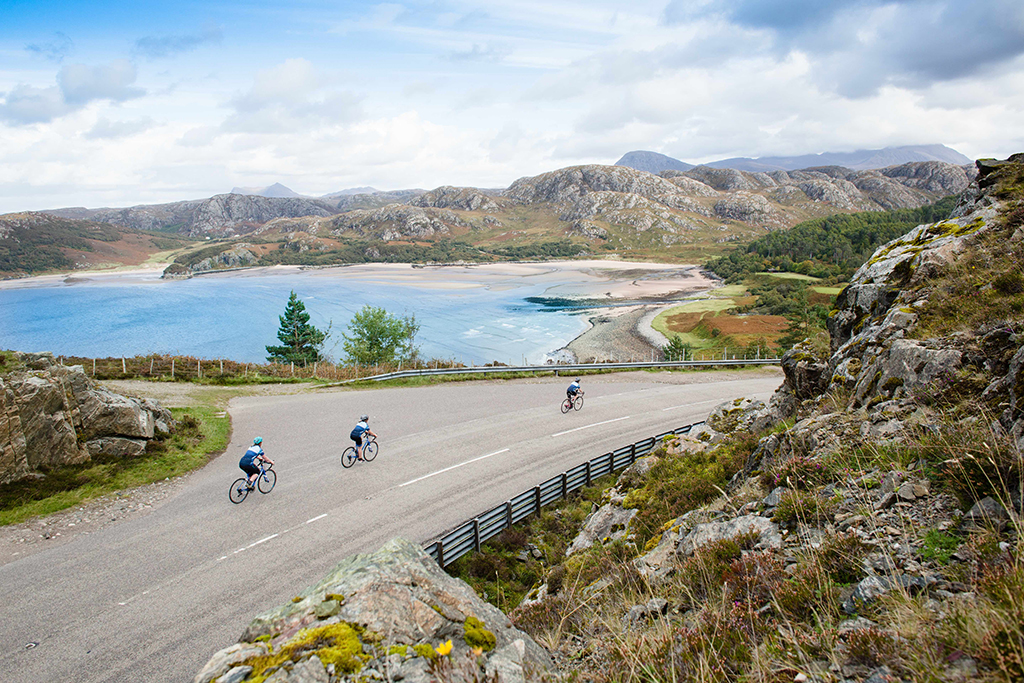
[[236, 317]]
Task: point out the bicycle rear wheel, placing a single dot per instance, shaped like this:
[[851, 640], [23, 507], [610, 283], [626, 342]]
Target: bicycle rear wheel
[[370, 451], [239, 490], [348, 458], [566, 405], [267, 481], [578, 403]]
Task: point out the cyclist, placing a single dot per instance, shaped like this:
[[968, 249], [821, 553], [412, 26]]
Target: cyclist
[[250, 461], [362, 427], [573, 389]]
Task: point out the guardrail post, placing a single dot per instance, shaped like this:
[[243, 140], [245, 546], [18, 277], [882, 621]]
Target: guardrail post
[[632, 454], [476, 534], [536, 498], [440, 553], [588, 473], [508, 515]]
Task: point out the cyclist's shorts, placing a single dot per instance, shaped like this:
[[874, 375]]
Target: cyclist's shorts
[[248, 467], [358, 438]]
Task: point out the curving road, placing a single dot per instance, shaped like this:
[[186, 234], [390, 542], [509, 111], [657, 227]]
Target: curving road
[[154, 597]]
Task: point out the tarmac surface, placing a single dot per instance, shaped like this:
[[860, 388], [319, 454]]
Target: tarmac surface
[[153, 596]]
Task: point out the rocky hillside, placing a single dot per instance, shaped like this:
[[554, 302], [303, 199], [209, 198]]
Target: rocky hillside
[[52, 415], [35, 242], [862, 526]]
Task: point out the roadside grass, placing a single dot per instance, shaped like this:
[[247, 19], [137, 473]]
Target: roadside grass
[[200, 434]]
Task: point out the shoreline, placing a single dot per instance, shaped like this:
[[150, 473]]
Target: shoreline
[[617, 299]]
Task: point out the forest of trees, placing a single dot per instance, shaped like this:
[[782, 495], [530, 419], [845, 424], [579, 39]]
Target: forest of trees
[[830, 247]]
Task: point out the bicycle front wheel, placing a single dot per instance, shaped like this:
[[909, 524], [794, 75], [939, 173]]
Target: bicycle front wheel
[[578, 403], [370, 451], [566, 405], [267, 481], [348, 458], [239, 490]]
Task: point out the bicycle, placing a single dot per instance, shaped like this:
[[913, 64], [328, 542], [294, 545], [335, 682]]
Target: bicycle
[[348, 457], [573, 403], [265, 482]]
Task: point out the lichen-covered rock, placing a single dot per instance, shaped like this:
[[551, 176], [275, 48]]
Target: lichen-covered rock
[[702, 534], [607, 523], [402, 607]]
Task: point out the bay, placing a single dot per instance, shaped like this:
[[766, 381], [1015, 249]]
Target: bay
[[467, 315]]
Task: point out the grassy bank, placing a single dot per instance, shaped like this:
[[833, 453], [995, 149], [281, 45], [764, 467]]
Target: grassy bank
[[202, 431]]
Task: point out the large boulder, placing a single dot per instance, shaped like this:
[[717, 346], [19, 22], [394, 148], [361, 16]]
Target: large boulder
[[52, 415], [401, 606]]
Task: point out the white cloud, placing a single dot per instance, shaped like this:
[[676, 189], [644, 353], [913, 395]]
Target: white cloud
[[81, 84]]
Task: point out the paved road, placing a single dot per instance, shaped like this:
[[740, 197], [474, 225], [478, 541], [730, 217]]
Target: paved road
[[153, 597]]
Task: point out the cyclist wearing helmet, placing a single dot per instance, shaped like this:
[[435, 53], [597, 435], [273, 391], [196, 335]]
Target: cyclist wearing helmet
[[573, 389], [249, 462], [362, 427]]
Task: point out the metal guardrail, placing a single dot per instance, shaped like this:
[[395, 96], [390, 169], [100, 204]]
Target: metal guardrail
[[490, 369], [470, 535]]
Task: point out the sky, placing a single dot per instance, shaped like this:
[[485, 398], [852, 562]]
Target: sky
[[114, 103]]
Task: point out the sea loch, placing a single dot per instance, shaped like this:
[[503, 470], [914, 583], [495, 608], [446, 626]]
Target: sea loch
[[469, 314]]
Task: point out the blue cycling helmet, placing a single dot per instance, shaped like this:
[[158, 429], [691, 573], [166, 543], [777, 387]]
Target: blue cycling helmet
[[257, 441]]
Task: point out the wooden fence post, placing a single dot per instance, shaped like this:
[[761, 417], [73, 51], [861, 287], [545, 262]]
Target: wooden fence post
[[172, 369], [124, 370], [151, 365], [222, 366], [199, 368], [94, 367]]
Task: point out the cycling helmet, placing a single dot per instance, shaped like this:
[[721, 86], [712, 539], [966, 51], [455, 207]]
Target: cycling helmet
[[257, 441], [364, 418]]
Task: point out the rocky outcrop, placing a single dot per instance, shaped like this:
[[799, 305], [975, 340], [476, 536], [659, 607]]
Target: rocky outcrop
[[390, 615], [463, 198], [52, 415], [228, 214], [397, 222]]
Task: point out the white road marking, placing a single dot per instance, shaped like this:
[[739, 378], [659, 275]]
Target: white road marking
[[698, 403], [568, 431], [256, 543], [427, 476], [316, 518]]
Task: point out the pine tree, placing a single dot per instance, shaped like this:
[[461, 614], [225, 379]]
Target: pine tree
[[300, 341]]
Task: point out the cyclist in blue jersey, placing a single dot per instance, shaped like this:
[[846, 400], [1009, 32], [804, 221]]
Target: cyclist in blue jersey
[[573, 389], [250, 461], [362, 427]]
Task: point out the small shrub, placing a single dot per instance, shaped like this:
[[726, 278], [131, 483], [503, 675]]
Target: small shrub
[[798, 472], [938, 546], [805, 507], [840, 555], [872, 647]]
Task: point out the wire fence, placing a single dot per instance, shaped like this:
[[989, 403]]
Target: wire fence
[[187, 368], [469, 535]]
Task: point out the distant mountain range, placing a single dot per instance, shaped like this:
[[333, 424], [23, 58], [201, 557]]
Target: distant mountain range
[[861, 160], [279, 190], [578, 209]]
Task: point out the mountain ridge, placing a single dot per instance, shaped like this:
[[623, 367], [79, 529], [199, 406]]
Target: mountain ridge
[[858, 160]]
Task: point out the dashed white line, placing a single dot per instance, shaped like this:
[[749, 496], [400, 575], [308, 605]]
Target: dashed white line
[[569, 431], [256, 543], [427, 476], [316, 518]]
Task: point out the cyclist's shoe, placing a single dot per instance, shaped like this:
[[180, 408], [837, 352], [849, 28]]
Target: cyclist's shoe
[[249, 487]]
